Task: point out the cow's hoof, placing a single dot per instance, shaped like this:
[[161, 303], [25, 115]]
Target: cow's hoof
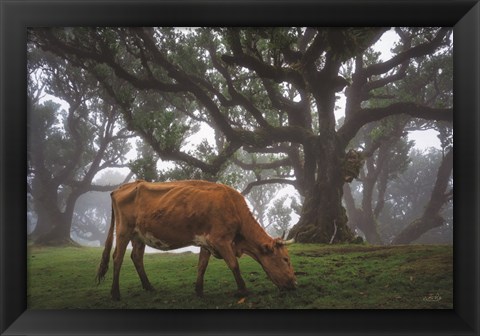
[[149, 288], [241, 293], [199, 290]]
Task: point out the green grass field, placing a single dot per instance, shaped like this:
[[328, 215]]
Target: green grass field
[[329, 277]]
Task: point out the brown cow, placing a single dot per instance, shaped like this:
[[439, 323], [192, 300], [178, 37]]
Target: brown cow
[[171, 215]]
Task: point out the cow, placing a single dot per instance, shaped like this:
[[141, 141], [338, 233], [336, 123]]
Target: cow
[[171, 215]]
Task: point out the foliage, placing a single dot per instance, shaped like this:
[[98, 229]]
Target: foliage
[[91, 217], [445, 135], [386, 148], [408, 195], [145, 166], [68, 144], [260, 197], [268, 90], [279, 216], [329, 277]]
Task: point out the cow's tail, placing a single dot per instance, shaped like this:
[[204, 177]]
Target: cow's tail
[[103, 267]]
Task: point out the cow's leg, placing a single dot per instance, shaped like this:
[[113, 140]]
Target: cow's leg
[[228, 255], [202, 266], [138, 250], [118, 254]]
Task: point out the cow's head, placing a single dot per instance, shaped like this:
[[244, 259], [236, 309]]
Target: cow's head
[[273, 256]]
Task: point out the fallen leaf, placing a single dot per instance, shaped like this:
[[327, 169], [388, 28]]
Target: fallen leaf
[[242, 300]]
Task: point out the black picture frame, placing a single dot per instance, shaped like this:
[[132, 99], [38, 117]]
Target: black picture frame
[[16, 16]]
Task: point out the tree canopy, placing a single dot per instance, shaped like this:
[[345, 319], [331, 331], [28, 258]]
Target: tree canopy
[[271, 92]]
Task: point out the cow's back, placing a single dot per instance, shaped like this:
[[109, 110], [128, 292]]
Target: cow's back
[[180, 213]]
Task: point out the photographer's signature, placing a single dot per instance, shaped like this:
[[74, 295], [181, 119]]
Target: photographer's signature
[[432, 298]]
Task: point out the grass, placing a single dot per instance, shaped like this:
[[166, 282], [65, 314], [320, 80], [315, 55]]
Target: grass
[[329, 277]]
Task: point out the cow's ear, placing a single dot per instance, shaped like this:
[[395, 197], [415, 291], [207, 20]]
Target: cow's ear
[[267, 248]]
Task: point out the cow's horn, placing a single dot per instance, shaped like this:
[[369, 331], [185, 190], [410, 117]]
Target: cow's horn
[[285, 242], [283, 235]]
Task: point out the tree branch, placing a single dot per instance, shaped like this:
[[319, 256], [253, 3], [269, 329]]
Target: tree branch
[[64, 49], [375, 84], [365, 116], [314, 50], [103, 188], [276, 149], [418, 51], [270, 165], [261, 68], [263, 182]]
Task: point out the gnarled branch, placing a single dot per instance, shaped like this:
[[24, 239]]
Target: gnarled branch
[[269, 181], [367, 115]]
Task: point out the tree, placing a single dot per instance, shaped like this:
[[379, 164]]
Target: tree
[[386, 157], [427, 81], [254, 176], [431, 218], [280, 217], [440, 195], [145, 166], [91, 217], [408, 195], [67, 148], [268, 90]]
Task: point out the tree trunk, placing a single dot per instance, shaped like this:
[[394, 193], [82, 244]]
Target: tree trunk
[[368, 223], [353, 212], [323, 218], [58, 235], [45, 220], [46, 207], [431, 217], [60, 230], [363, 218], [358, 219]]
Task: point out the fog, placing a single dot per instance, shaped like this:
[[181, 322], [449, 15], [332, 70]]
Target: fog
[[95, 216]]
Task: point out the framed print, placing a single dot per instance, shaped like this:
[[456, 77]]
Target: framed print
[[64, 29]]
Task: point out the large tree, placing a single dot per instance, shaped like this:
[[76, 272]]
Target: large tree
[[268, 90], [408, 197], [386, 156], [431, 217], [92, 213], [67, 146], [426, 81]]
